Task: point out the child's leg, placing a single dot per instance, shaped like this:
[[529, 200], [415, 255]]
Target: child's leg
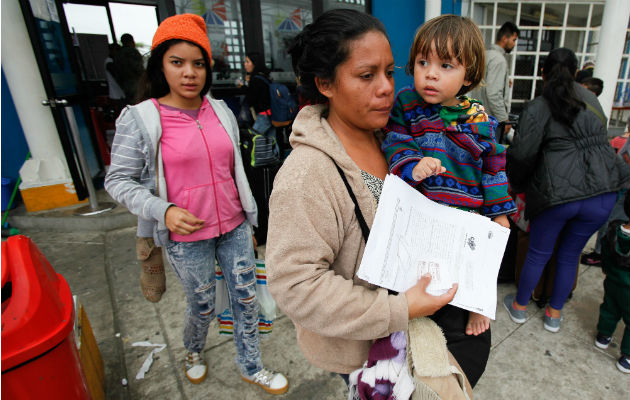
[[471, 352], [623, 300], [609, 312], [477, 324]]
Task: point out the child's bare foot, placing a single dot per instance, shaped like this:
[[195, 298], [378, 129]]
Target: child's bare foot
[[477, 324]]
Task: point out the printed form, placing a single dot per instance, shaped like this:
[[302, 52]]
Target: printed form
[[412, 236]]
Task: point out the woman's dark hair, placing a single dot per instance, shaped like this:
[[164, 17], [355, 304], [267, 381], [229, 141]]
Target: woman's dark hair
[[259, 64], [558, 75], [153, 83], [324, 44]]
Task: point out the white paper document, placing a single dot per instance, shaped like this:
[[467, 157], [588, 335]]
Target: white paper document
[[412, 236]]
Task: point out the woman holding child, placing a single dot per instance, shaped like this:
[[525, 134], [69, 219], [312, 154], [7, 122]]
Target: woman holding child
[[345, 66]]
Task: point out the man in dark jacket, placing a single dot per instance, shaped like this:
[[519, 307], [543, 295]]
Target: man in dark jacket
[[128, 66]]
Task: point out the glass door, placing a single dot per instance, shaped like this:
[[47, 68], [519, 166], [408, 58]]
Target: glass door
[[58, 67]]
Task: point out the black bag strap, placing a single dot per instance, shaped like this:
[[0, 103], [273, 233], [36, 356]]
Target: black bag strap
[[263, 78], [357, 211], [596, 112]]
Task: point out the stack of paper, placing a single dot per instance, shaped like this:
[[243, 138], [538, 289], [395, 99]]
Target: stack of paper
[[412, 236]]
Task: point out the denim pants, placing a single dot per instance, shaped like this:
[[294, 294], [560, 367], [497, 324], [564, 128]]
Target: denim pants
[[571, 225], [194, 263]]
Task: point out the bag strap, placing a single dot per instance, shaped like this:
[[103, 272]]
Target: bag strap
[[365, 230], [596, 112], [264, 79]]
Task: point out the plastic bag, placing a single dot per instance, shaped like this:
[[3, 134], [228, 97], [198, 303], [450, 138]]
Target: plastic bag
[[268, 310], [519, 216]]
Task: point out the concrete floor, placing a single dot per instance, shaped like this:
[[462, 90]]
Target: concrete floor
[[526, 361]]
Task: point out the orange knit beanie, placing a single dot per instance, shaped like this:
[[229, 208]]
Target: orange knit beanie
[[188, 27]]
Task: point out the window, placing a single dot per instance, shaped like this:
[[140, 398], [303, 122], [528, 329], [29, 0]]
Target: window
[[354, 4], [546, 25], [281, 21], [225, 31]]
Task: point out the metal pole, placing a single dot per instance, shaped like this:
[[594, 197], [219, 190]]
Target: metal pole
[[610, 50], [93, 208]]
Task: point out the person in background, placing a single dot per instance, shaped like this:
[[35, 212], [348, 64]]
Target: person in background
[[176, 164], [494, 91], [257, 95], [586, 71], [129, 67], [315, 244], [115, 92], [595, 85], [622, 147], [616, 304], [562, 161], [442, 143]]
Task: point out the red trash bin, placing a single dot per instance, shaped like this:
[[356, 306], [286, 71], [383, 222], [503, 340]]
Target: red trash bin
[[39, 352]]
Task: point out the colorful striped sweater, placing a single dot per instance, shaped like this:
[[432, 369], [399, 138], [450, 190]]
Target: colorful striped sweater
[[475, 178]]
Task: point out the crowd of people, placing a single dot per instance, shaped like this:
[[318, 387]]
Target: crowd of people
[[176, 164]]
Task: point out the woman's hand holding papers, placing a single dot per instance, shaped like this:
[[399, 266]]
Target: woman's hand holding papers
[[422, 304]]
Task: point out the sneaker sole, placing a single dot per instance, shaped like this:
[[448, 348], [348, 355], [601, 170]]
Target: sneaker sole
[[514, 319], [281, 390], [601, 345], [622, 369], [197, 381], [551, 328]]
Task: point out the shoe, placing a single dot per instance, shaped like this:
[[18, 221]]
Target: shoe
[[551, 324], [196, 368], [271, 382], [623, 364], [518, 316], [592, 258], [602, 341]]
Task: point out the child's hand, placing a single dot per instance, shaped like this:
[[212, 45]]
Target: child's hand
[[502, 220], [428, 166]]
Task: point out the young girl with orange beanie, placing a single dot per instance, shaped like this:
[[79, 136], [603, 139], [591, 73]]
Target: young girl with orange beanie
[[176, 165]]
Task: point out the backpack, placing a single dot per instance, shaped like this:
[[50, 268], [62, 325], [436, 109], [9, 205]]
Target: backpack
[[264, 150], [284, 107]]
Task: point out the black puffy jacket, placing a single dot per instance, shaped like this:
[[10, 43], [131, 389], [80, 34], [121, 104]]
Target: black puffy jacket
[[555, 164]]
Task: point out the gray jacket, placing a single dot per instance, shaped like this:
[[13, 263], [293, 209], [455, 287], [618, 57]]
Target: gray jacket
[[136, 155], [493, 93]]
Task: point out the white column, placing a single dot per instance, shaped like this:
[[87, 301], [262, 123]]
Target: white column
[[432, 9], [48, 162], [610, 49]]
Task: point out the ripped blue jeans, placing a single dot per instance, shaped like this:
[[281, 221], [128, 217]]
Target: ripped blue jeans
[[193, 263]]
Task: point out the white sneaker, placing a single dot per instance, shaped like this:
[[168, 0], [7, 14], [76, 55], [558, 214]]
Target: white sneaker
[[271, 382], [196, 368]]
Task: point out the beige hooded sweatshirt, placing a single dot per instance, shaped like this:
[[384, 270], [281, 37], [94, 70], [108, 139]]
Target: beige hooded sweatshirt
[[314, 248]]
